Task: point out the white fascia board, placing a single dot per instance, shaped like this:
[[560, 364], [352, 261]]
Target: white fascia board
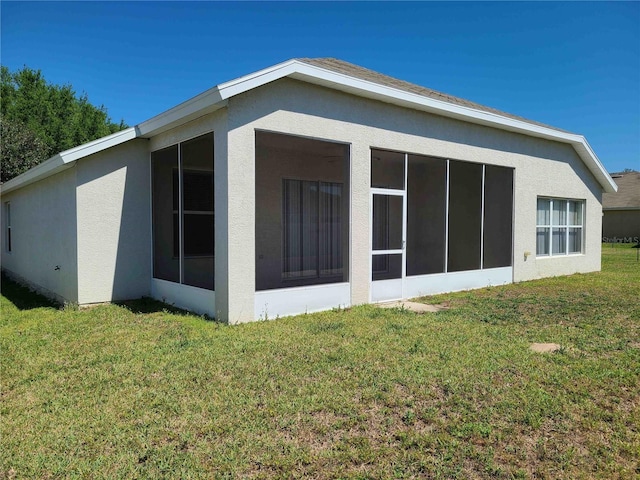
[[66, 159], [98, 145], [217, 97], [49, 167], [214, 98], [594, 165]]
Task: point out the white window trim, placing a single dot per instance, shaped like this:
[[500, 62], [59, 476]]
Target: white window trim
[[568, 226]]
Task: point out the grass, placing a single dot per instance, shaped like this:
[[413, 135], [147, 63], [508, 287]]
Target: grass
[[138, 391]]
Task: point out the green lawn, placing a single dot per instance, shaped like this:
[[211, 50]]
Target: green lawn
[[136, 391]]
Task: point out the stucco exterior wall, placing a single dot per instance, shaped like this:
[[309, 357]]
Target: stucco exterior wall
[[114, 224], [43, 232], [542, 168]]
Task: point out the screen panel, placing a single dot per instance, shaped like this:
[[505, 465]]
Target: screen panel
[[426, 214], [465, 216], [498, 217], [387, 169], [386, 267], [166, 262], [198, 212], [387, 222]]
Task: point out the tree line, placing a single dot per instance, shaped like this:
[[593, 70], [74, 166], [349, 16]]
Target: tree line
[[39, 119]]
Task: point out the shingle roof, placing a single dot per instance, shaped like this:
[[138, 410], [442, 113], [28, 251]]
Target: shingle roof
[[346, 68], [628, 194]]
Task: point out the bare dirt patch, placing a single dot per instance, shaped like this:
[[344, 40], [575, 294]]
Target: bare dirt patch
[[545, 347], [414, 306]]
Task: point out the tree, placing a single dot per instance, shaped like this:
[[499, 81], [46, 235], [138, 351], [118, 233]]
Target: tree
[[44, 119], [21, 149]]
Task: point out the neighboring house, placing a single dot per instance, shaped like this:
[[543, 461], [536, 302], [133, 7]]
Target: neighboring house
[[309, 185], [621, 210]]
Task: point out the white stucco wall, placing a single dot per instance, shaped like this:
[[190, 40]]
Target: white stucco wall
[[114, 224], [43, 232], [287, 106]]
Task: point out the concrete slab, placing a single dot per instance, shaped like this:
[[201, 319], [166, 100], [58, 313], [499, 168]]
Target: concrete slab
[[412, 306], [545, 347]]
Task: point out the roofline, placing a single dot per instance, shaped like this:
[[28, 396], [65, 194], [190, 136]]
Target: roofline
[[218, 96], [66, 159], [609, 209]]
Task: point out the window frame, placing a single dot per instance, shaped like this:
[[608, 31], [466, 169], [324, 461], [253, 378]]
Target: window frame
[[7, 213], [566, 227]]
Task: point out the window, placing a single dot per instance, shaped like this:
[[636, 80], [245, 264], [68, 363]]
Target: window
[[312, 229], [559, 227], [7, 209]]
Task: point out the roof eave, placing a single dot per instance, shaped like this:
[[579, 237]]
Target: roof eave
[[47, 168], [620, 209], [66, 159], [217, 97], [214, 98], [331, 79]]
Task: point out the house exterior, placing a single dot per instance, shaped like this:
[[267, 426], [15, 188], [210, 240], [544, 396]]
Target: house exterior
[[309, 185], [621, 210]]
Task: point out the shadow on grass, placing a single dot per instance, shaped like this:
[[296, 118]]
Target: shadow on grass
[[22, 297], [146, 305]]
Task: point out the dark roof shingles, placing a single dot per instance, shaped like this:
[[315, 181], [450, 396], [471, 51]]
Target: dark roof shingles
[[628, 194]]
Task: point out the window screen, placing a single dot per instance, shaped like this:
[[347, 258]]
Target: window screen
[[426, 214], [465, 223], [498, 220]]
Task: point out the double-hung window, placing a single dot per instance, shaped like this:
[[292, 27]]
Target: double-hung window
[[559, 227]]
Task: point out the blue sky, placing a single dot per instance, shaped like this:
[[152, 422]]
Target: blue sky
[[573, 65]]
